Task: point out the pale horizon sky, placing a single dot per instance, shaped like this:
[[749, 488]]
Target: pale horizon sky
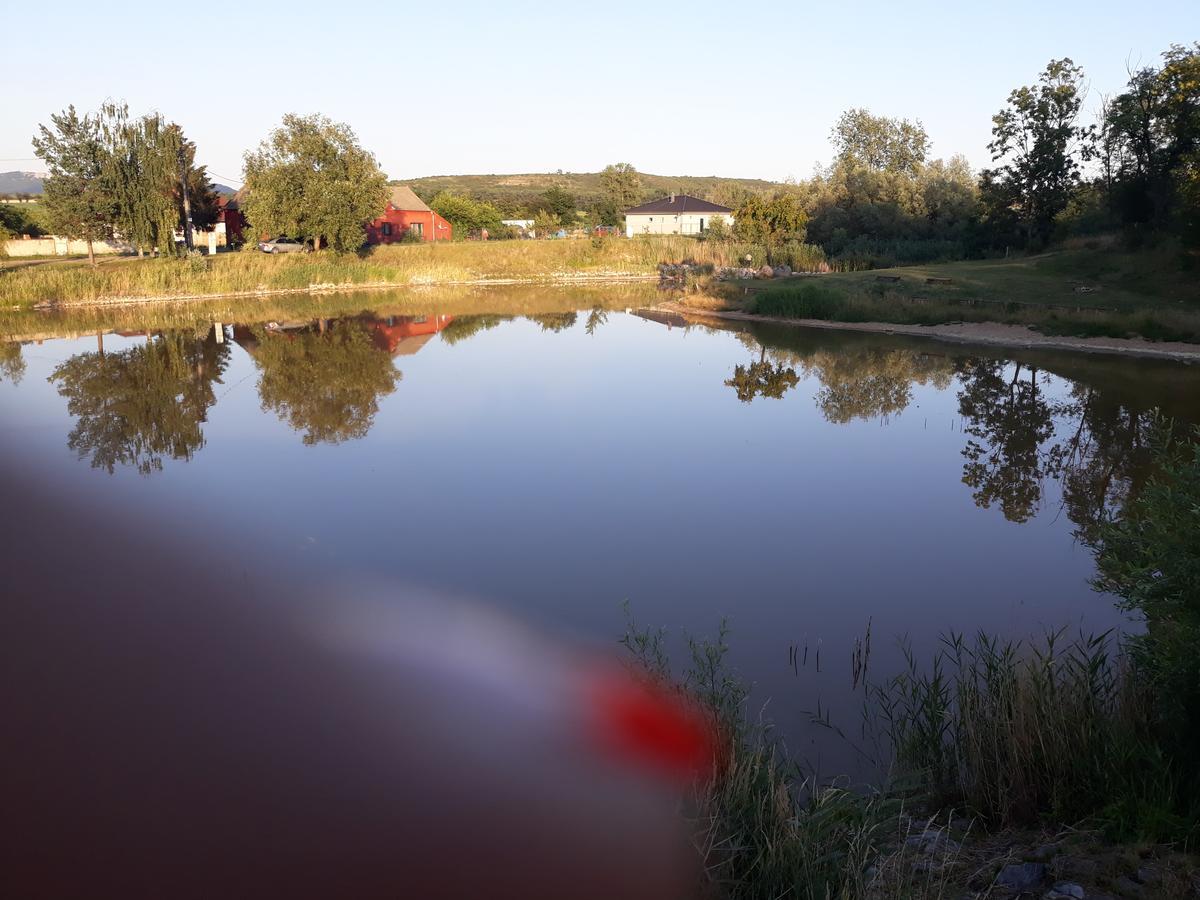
[[742, 90]]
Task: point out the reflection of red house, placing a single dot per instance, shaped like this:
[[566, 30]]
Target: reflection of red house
[[395, 335], [230, 214], [405, 335], [407, 213]]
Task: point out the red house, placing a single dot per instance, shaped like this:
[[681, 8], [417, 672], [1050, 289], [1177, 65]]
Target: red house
[[230, 215], [407, 213]]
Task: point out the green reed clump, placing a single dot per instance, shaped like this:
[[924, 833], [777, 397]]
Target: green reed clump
[[763, 828], [807, 300], [1058, 731]]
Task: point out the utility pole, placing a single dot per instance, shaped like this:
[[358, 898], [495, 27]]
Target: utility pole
[[187, 202]]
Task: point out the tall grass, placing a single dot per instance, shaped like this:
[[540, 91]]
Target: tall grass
[[398, 264], [763, 828], [1055, 731]]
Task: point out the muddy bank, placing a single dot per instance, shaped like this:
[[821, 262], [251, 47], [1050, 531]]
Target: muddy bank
[[993, 334]]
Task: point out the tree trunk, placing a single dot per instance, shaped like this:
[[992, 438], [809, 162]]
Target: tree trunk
[[91, 253]]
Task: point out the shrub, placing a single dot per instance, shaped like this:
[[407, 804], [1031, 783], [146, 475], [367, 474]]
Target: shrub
[[1150, 558], [800, 257]]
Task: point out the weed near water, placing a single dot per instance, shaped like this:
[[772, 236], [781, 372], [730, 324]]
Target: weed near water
[[1049, 733]]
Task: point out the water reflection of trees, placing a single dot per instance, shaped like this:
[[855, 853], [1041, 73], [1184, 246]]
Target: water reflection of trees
[[466, 327], [12, 363], [324, 380], [137, 406], [1008, 420], [560, 321], [1019, 434], [858, 382]]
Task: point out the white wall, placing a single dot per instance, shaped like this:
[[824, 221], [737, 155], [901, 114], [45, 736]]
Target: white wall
[[659, 223], [58, 246]]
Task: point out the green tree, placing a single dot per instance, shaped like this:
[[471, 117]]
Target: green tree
[[1150, 144], [770, 221], [311, 179], [79, 203], [622, 185], [137, 406], [876, 142], [560, 202], [144, 167], [545, 223], [326, 384], [1038, 142], [467, 215]]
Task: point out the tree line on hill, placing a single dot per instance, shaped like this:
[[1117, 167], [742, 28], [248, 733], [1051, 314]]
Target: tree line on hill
[[883, 200]]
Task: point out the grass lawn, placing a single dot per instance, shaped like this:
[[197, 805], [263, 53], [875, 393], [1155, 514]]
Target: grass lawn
[[1069, 292]]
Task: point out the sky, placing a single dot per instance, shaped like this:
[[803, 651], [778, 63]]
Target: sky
[[747, 89]]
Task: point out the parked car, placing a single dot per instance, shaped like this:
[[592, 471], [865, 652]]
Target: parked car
[[285, 245], [605, 230]]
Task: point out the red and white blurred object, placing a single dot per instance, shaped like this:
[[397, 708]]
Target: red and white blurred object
[[175, 732]]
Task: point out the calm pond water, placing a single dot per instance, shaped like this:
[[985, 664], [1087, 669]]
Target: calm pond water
[[800, 483]]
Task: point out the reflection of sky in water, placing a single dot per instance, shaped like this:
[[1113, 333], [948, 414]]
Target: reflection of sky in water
[[557, 474]]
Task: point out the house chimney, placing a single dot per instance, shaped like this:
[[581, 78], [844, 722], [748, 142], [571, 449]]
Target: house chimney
[[672, 196]]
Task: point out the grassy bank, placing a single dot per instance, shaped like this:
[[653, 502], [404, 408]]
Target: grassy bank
[[1077, 292], [400, 265]]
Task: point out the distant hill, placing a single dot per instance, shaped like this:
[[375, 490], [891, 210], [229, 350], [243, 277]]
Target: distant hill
[[512, 191], [31, 183], [20, 183]]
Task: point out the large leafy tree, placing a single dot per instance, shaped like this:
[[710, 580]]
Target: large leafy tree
[[559, 201], [145, 169], [1150, 145], [77, 194], [1038, 143], [466, 214], [875, 142], [311, 179], [770, 220], [622, 186]]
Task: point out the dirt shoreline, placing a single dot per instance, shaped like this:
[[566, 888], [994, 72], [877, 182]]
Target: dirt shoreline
[[994, 334], [560, 279]]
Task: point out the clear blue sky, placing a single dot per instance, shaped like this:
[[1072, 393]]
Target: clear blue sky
[[739, 89]]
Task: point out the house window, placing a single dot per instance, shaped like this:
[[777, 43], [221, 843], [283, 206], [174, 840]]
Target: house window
[[417, 228], [387, 229]]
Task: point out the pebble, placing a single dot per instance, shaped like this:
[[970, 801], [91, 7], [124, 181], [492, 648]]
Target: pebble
[[1065, 890], [1021, 876]]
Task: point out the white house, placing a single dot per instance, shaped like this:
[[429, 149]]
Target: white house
[[677, 214]]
